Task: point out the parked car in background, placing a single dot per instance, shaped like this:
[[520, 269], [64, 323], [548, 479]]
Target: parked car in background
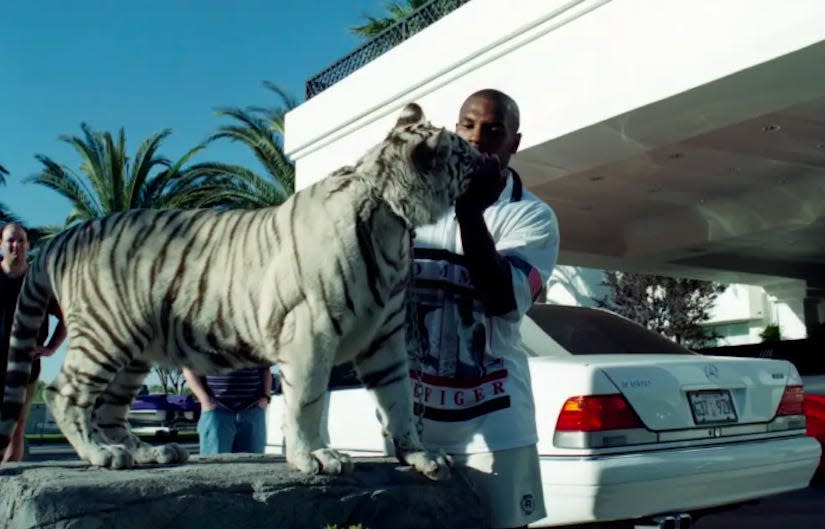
[[159, 413], [632, 427], [806, 355]]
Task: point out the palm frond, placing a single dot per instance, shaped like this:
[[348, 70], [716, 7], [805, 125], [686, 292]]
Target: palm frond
[[93, 155], [144, 162], [66, 183], [239, 186], [173, 181], [39, 235], [287, 99], [7, 216], [267, 148], [113, 161], [372, 27]]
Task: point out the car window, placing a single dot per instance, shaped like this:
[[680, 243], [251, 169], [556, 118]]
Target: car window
[[584, 331]]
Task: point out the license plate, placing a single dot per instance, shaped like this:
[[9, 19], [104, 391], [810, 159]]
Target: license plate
[[712, 406]]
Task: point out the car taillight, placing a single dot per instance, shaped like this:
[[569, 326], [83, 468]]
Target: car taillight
[[593, 413], [791, 403]]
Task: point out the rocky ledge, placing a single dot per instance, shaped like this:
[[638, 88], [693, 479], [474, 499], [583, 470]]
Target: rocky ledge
[[223, 492]]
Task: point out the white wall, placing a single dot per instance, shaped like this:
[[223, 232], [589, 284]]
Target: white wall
[[569, 64], [571, 285], [740, 314]]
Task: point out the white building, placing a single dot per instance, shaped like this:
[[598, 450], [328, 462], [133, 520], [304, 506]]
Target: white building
[[677, 138], [741, 313]]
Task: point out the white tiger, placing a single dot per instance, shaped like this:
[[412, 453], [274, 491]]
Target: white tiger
[[315, 282]]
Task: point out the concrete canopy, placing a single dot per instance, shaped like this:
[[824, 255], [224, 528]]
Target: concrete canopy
[[725, 181]]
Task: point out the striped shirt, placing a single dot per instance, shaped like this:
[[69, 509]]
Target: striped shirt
[[239, 389], [470, 380]]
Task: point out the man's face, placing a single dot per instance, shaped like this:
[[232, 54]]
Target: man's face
[[15, 244], [488, 127]]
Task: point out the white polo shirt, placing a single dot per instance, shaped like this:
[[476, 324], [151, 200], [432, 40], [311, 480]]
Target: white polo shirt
[[471, 376]]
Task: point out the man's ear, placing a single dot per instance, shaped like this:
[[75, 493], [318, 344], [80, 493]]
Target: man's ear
[[516, 143]]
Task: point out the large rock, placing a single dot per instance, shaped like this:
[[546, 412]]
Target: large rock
[[225, 492]]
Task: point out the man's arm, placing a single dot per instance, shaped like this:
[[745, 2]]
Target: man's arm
[[509, 273], [198, 388], [267, 389], [490, 272], [56, 339]]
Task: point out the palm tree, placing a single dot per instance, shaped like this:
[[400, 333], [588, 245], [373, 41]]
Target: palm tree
[[6, 215], [109, 181], [396, 12], [262, 130]]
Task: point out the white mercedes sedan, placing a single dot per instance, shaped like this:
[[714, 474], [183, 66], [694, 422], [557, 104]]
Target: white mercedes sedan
[[632, 427]]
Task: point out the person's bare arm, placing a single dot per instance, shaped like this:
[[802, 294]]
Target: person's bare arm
[[264, 400], [489, 271], [195, 383], [56, 339]]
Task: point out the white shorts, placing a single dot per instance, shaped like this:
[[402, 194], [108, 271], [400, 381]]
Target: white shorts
[[508, 481]]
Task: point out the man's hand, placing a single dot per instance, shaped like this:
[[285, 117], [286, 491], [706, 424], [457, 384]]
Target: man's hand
[[208, 404], [41, 352], [485, 187]]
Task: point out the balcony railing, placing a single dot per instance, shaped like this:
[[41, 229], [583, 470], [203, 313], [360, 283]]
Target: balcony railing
[[381, 43]]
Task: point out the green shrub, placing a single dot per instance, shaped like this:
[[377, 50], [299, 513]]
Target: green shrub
[[771, 334]]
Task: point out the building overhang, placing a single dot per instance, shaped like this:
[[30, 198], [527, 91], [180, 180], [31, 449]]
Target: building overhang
[[682, 139]]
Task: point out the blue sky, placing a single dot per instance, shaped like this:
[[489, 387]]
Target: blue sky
[[148, 65]]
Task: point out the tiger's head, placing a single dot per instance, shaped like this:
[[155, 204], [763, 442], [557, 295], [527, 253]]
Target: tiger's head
[[421, 169]]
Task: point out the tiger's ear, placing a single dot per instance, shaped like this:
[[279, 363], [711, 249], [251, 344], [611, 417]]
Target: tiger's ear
[[431, 152], [411, 114]]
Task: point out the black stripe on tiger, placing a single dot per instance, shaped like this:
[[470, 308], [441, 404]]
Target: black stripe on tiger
[[308, 403], [117, 399], [345, 281], [380, 378], [16, 378], [363, 233], [294, 238], [120, 287], [103, 326], [113, 424], [325, 299], [376, 345], [97, 355], [180, 271]]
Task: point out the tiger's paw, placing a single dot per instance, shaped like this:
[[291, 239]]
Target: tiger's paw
[[435, 466], [321, 461], [332, 461], [110, 456], [170, 454]]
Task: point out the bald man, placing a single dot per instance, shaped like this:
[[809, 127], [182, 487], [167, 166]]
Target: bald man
[[14, 246], [477, 270]]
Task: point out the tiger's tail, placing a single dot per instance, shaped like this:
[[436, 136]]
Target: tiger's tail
[[32, 307]]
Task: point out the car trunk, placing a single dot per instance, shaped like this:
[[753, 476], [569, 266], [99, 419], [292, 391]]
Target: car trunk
[[670, 392]]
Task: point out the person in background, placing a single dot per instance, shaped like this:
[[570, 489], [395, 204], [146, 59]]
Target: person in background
[[13, 267], [233, 410]]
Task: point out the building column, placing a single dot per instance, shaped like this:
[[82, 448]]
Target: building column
[[787, 305], [814, 307]]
